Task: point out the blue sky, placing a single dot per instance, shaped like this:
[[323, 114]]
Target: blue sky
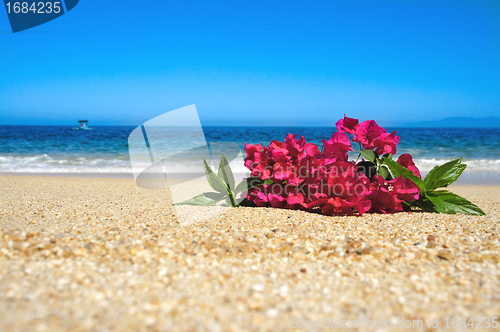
[[254, 62]]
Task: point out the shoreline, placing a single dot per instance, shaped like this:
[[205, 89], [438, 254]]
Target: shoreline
[[465, 180]]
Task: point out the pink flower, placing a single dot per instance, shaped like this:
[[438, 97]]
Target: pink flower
[[294, 145], [285, 171], [340, 206], [347, 125], [386, 143], [307, 179], [296, 202], [367, 132], [312, 172], [337, 206], [383, 201], [404, 189], [406, 160], [257, 161], [259, 198], [361, 188], [312, 150], [341, 172], [310, 156], [277, 152], [336, 148], [317, 200], [277, 201], [342, 139], [382, 197], [251, 150], [362, 206], [282, 171]]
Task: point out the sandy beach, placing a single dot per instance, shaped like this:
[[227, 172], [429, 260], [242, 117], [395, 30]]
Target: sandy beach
[[101, 254]]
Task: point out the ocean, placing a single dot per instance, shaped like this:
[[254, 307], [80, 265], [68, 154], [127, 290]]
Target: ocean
[[104, 150]]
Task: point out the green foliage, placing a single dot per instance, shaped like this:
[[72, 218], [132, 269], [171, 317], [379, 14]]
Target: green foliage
[[444, 175], [383, 172], [400, 170], [223, 182], [215, 182], [225, 172], [250, 183], [202, 200], [369, 155], [447, 202], [440, 201], [431, 200]]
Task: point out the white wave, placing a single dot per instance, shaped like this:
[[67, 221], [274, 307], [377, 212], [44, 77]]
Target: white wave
[[473, 165], [44, 163], [50, 164]]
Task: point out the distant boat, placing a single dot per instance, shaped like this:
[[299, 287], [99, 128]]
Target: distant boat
[[83, 125]]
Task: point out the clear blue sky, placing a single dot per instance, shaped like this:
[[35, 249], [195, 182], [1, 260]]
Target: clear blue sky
[[255, 62]]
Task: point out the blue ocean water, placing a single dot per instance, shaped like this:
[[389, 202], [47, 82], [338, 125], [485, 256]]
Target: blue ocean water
[[59, 149]]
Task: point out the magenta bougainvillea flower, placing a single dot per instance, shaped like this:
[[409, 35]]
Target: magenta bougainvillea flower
[[366, 132], [386, 143], [300, 175], [294, 145], [347, 125], [307, 177], [406, 160]]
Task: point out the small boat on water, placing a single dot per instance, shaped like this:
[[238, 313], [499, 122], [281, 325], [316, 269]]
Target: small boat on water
[[83, 125]]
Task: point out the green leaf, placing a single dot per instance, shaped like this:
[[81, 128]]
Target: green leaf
[[242, 186], [214, 181], [225, 172], [383, 172], [227, 176], [250, 183], [448, 202], [388, 156], [425, 204], [369, 155], [215, 196], [444, 175], [400, 170], [204, 199], [231, 202]]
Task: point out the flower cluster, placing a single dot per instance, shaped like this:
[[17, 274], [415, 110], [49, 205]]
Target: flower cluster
[[307, 178]]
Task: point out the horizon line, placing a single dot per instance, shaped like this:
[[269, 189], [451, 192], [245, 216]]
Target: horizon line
[[407, 125]]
